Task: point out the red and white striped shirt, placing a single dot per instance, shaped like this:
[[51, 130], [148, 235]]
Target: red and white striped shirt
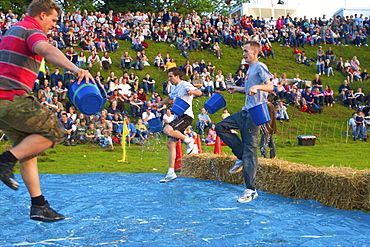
[[19, 65]]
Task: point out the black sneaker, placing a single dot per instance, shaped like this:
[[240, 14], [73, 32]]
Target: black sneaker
[[45, 213], [7, 176]]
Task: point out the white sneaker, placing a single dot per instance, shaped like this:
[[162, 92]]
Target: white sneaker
[[238, 167], [168, 178], [190, 146], [248, 195]]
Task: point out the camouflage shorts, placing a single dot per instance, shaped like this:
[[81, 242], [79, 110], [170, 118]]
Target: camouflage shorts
[[25, 116]]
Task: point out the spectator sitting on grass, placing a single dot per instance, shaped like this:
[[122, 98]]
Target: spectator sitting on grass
[[141, 130], [328, 67], [364, 75], [360, 97], [168, 117], [329, 96], [158, 61], [211, 137], [350, 99], [106, 140], [130, 137], [188, 68], [360, 132], [281, 112], [318, 96], [340, 65], [81, 132], [267, 51], [357, 75], [317, 82], [355, 63], [91, 134], [170, 64], [204, 121], [126, 60], [220, 81], [348, 74]]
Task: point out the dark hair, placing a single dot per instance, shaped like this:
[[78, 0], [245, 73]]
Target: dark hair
[[177, 71]]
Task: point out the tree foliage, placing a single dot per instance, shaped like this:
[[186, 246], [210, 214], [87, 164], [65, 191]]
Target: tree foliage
[[180, 6], [73, 5], [17, 6]]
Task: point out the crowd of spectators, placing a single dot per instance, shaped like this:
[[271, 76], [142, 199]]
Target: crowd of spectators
[[96, 35]]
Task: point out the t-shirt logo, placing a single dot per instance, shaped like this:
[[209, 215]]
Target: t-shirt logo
[[246, 77]]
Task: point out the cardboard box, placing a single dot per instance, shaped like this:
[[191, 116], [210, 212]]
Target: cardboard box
[[306, 140]]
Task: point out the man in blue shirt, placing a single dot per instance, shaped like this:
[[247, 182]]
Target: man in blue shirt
[[257, 85]]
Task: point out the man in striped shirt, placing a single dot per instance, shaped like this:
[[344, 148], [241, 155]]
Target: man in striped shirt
[[30, 127]]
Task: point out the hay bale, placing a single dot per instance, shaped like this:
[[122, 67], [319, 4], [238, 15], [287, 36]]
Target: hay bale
[[339, 187]]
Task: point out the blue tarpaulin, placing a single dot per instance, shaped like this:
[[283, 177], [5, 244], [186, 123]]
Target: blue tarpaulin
[[136, 210]]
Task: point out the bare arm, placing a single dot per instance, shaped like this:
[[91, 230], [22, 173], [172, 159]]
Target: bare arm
[[56, 57], [195, 92], [265, 86], [164, 102]]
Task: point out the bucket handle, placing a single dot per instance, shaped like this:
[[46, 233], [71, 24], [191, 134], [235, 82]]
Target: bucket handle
[[103, 94]]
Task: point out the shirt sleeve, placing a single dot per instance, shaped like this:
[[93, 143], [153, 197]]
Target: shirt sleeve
[[264, 73]]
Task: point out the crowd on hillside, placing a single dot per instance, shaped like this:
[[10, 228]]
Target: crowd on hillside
[[96, 35]]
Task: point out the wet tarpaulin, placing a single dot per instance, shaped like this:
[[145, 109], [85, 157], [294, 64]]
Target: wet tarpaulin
[[136, 210]]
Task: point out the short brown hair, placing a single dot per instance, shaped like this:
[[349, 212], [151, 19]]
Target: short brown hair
[[177, 71], [254, 45], [47, 6]]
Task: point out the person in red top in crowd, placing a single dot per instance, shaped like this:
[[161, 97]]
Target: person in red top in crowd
[[34, 128], [297, 54], [267, 51]]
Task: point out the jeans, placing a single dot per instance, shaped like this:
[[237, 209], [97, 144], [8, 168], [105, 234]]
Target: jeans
[[151, 87], [201, 126], [126, 64], [360, 132], [145, 87], [320, 68], [244, 148], [194, 46], [267, 140]]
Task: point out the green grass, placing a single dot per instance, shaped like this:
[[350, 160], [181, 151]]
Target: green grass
[[331, 148]]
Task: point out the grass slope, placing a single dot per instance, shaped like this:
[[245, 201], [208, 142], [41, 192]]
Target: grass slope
[[330, 149]]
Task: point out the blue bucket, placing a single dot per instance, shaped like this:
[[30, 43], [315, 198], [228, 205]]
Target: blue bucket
[[179, 106], [87, 97], [215, 103], [155, 124], [260, 114]]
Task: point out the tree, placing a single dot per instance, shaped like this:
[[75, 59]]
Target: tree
[[73, 5], [17, 6], [180, 6]]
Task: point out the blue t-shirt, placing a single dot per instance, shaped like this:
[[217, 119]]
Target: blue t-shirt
[[257, 73]]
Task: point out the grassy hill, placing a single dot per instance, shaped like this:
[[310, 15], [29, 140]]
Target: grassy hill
[[332, 147], [327, 127]]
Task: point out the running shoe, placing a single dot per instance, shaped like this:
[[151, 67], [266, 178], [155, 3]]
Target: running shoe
[[169, 177], [7, 176], [45, 213], [190, 146], [248, 195], [238, 167]]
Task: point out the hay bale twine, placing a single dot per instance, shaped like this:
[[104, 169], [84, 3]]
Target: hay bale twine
[[340, 187]]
